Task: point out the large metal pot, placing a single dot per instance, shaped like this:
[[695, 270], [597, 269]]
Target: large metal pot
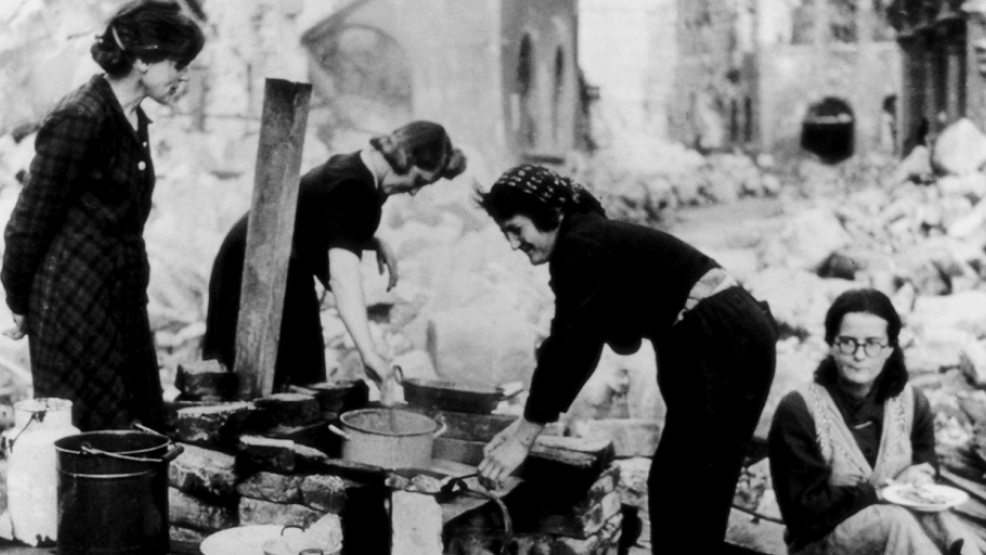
[[388, 438]]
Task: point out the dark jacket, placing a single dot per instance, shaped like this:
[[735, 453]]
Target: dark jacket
[[615, 283], [75, 262]]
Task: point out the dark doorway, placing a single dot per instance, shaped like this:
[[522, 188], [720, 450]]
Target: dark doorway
[[828, 130]]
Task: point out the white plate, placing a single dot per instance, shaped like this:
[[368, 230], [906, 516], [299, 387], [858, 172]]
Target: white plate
[[903, 495], [242, 540]]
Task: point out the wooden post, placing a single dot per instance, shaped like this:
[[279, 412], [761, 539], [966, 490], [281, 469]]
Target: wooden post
[[269, 234]]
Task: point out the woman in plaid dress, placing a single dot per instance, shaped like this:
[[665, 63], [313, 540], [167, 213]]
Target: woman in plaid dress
[[75, 266]]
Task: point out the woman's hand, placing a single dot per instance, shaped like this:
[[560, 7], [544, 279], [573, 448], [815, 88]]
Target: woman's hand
[[386, 260], [382, 374], [508, 449], [916, 475], [20, 327]]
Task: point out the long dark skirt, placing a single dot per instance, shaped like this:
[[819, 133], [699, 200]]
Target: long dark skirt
[[714, 371], [301, 350]]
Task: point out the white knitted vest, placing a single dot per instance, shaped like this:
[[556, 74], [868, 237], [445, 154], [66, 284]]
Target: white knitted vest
[[839, 448]]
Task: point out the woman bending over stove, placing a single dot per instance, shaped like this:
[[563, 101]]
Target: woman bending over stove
[[340, 204], [617, 283]]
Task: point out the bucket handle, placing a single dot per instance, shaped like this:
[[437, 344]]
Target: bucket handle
[[338, 432], [38, 415], [171, 455]]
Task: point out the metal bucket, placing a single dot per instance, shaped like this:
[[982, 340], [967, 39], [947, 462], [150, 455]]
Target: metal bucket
[[113, 493]]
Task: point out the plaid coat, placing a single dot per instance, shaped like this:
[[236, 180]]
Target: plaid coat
[[75, 262]]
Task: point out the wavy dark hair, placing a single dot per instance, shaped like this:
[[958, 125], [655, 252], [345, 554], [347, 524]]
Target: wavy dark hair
[[147, 30], [538, 193], [421, 144], [890, 382]]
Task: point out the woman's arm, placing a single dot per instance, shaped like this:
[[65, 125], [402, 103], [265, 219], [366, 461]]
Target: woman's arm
[[509, 449], [386, 259], [347, 287], [810, 505], [925, 461], [62, 148]]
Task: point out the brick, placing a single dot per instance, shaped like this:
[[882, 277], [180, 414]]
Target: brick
[[188, 511], [205, 380], [290, 409], [268, 486], [279, 455], [325, 493], [203, 472], [416, 524], [186, 535], [214, 424], [606, 484], [571, 524], [576, 452], [256, 511], [603, 542], [630, 437], [274, 455]]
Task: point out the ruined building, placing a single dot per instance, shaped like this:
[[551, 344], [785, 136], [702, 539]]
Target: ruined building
[[943, 46], [501, 74], [785, 76]]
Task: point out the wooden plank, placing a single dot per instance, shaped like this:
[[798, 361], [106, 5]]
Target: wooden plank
[[269, 233]]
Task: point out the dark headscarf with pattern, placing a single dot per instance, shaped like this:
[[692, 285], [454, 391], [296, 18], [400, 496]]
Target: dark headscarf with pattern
[[544, 187]]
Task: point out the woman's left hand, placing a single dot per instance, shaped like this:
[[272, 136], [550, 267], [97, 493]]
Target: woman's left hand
[[916, 475], [387, 260]]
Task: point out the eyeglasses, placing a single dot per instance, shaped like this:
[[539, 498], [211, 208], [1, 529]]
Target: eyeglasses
[[871, 346]]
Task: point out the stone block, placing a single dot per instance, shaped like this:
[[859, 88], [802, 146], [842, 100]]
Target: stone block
[[630, 437], [256, 511], [203, 472], [268, 486], [604, 542], [416, 524], [191, 512], [205, 380], [570, 523], [279, 455], [214, 424], [181, 534], [290, 409], [325, 493]]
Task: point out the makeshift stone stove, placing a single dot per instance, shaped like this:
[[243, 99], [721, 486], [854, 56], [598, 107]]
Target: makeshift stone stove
[[272, 461]]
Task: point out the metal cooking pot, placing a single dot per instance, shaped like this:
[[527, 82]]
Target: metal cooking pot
[[388, 438], [452, 396]]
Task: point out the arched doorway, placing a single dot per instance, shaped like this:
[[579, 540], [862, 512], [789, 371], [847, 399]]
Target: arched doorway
[[828, 130]]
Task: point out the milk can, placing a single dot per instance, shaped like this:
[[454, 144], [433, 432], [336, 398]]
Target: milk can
[[32, 475]]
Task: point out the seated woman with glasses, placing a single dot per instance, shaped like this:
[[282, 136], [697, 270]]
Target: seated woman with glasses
[[858, 427]]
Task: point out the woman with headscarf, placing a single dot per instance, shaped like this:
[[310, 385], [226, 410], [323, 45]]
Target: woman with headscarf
[[75, 267], [339, 208], [616, 284], [858, 427]]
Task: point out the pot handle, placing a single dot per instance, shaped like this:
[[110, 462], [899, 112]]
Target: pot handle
[[511, 390], [441, 429], [398, 374], [338, 432]]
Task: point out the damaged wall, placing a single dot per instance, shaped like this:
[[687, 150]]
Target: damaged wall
[[751, 71]]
